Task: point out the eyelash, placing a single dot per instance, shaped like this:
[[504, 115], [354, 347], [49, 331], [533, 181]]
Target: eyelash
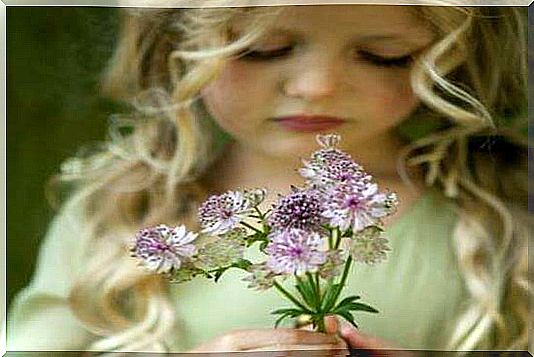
[[401, 62], [265, 55]]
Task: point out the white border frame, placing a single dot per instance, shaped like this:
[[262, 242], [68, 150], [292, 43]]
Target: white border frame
[[150, 3]]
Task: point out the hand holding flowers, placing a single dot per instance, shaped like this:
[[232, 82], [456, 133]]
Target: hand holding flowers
[[313, 235]]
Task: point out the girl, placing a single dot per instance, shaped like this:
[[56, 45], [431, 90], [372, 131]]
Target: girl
[[233, 97]]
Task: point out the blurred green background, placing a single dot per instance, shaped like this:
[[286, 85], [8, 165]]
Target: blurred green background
[[54, 59]]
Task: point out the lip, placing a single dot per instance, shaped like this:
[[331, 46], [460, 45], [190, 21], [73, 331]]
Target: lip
[[309, 123]]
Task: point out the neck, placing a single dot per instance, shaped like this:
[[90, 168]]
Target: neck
[[244, 167]]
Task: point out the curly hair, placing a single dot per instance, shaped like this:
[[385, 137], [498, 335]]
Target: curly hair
[[465, 136]]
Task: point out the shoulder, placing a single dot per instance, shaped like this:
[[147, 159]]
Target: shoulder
[[61, 249], [41, 310]]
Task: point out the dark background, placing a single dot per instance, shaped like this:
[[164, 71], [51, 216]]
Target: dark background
[[54, 59]]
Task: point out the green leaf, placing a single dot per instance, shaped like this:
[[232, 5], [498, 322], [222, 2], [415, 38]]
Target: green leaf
[[285, 313], [218, 273], [347, 316], [290, 310], [256, 237], [242, 264], [280, 319], [347, 300], [359, 306], [347, 233], [330, 295], [307, 294], [263, 245]]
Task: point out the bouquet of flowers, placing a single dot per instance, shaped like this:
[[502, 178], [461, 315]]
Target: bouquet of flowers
[[312, 236]]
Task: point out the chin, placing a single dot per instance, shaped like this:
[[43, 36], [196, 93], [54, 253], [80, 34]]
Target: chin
[[292, 148]]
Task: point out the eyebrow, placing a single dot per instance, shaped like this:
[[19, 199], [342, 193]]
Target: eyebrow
[[407, 37]]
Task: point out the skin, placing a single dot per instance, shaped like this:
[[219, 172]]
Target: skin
[[338, 337], [326, 72], [272, 340]]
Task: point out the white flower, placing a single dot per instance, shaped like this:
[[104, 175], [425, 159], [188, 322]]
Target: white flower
[[222, 213], [295, 251], [330, 166], [162, 249], [357, 204], [368, 246]]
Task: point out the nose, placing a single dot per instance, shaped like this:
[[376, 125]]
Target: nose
[[313, 79]]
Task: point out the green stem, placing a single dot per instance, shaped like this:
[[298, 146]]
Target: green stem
[[346, 270], [318, 284], [291, 297], [262, 216], [320, 325], [251, 227], [316, 296], [338, 287], [343, 279], [337, 237]]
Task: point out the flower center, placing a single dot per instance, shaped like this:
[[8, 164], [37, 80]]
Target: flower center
[[160, 246], [296, 251], [225, 213], [353, 203]]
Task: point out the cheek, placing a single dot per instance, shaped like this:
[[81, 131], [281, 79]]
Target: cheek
[[219, 95], [393, 99], [230, 97]]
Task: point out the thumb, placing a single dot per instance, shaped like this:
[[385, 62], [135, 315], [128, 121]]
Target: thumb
[[331, 324]]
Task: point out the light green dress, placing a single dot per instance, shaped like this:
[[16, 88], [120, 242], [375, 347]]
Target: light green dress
[[418, 290]]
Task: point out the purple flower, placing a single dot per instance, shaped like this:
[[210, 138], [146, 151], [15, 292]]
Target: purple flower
[[368, 246], [295, 251], [329, 166], [300, 209], [162, 249], [222, 213], [357, 204]]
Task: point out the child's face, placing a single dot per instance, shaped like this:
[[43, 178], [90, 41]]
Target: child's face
[[349, 64]]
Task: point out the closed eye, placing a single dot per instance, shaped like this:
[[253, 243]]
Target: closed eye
[[260, 55], [380, 61]]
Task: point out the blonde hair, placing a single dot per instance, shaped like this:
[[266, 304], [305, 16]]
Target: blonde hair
[[150, 170]]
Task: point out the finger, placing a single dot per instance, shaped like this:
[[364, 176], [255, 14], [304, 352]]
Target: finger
[[332, 327], [358, 339], [337, 350], [331, 324], [328, 329], [251, 339], [282, 347]]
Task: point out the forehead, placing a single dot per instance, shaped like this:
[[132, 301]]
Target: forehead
[[367, 22]]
